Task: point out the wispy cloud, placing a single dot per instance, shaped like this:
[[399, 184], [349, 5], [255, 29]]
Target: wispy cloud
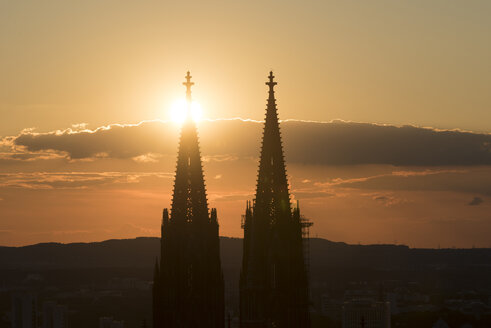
[[231, 196], [477, 180], [73, 180], [387, 199], [402, 174], [147, 158]]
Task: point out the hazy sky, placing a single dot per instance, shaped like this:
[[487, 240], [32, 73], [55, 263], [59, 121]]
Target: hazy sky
[[103, 63], [418, 62]]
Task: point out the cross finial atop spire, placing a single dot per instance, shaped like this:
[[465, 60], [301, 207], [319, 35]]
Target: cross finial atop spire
[[271, 82], [188, 84]]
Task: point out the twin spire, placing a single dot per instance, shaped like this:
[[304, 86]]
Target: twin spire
[[188, 288], [273, 280], [189, 202]]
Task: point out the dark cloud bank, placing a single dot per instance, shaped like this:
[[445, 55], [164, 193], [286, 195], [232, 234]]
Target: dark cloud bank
[[333, 143]]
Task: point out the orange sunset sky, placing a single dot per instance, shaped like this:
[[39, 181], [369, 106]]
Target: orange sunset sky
[[386, 110]]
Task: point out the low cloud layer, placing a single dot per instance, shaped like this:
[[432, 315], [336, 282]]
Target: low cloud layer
[[332, 143], [469, 181], [116, 141], [95, 184]]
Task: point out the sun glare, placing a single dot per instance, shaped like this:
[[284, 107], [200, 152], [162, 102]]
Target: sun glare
[[179, 111]]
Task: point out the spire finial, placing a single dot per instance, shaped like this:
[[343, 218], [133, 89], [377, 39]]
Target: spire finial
[[271, 83], [188, 84]]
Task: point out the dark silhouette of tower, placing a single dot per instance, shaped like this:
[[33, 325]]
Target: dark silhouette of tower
[[274, 279], [188, 286]]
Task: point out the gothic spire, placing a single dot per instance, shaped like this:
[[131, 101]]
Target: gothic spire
[[189, 198], [188, 286], [273, 261], [272, 193]]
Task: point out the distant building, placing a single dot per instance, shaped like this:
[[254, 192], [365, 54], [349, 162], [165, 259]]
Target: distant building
[[24, 314], [109, 322], [366, 313], [54, 315]]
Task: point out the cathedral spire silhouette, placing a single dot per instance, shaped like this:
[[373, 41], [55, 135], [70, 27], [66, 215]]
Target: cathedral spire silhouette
[[188, 286], [273, 279], [272, 185], [189, 201]]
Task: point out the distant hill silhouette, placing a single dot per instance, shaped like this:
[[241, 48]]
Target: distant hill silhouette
[[141, 253], [331, 263], [334, 268]]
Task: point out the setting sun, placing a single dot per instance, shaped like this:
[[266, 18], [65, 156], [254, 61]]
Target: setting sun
[[180, 109]]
